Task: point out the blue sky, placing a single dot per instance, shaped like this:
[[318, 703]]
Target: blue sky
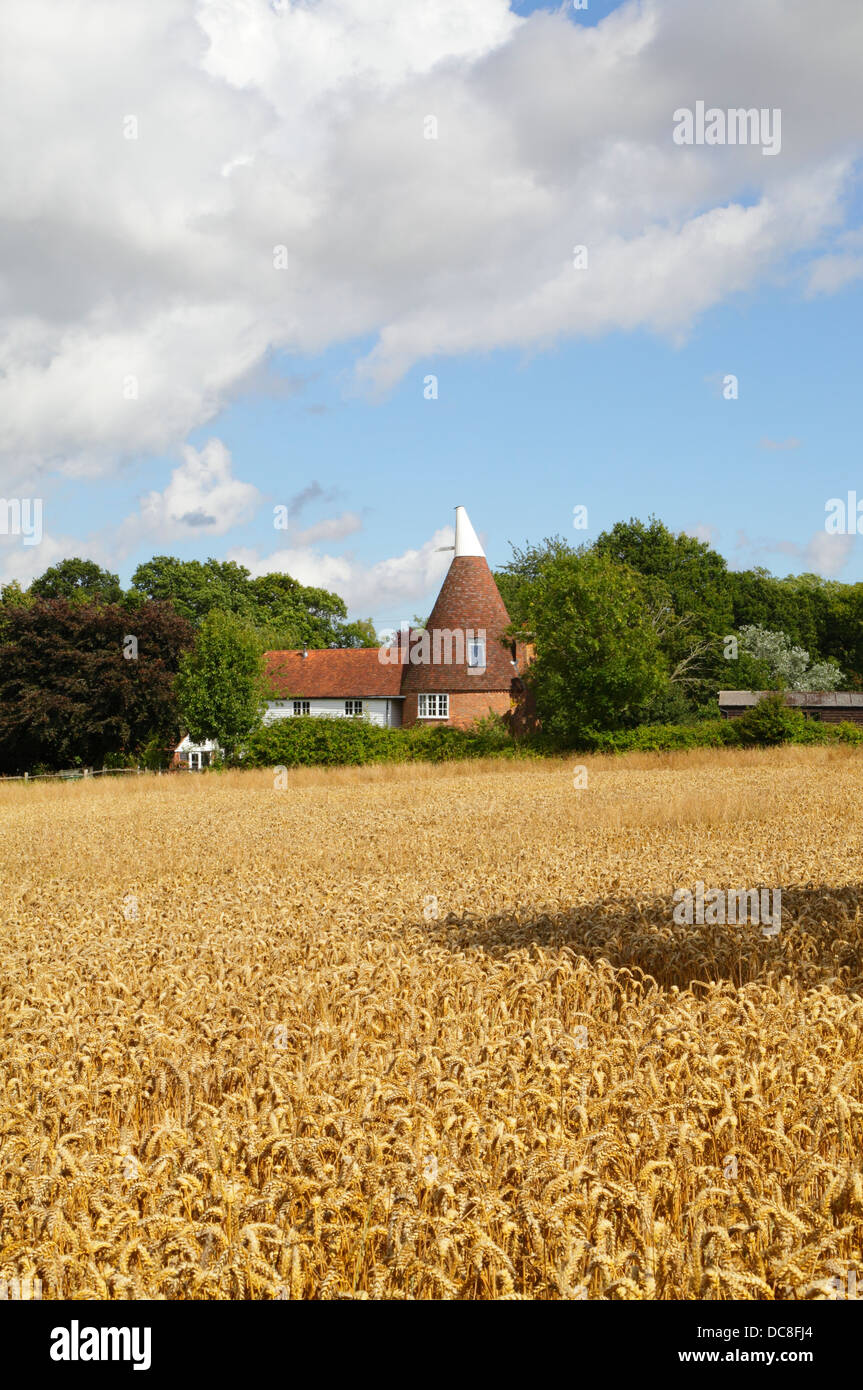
[[625, 425], [544, 400]]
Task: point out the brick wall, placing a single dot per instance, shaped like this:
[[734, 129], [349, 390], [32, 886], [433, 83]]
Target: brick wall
[[464, 707]]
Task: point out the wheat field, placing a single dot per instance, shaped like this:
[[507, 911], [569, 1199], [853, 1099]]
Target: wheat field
[[433, 1033]]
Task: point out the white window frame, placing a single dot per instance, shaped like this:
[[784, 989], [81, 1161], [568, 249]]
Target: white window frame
[[353, 709], [476, 645], [433, 707], [301, 707]]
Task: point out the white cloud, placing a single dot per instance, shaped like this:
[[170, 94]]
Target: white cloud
[[24, 563], [333, 529], [203, 498], [841, 267], [301, 124], [385, 587], [703, 531], [823, 553], [828, 555]]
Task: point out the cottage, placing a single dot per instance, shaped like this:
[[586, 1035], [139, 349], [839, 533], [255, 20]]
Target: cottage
[[339, 682], [831, 706]]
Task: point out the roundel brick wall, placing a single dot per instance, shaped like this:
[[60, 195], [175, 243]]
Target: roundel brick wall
[[469, 603]]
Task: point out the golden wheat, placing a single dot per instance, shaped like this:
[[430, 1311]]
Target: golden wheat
[[433, 1033]]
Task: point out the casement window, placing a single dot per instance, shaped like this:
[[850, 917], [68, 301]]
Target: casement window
[[433, 707], [353, 707], [476, 653], [301, 707]]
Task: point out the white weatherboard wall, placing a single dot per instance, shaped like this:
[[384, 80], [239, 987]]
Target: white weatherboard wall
[[375, 710]]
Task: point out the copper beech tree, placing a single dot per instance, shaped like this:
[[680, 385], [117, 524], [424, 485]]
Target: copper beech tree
[[81, 681]]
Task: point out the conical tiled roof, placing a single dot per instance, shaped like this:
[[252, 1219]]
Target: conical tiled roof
[[469, 604]]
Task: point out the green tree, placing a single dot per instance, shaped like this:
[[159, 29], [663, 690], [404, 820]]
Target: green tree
[[798, 605], [360, 633], [598, 656], [74, 690], [293, 615], [516, 578], [221, 687], [696, 579], [696, 576], [195, 587], [285, 613], [80, 581], [769, 723], [788, 666]]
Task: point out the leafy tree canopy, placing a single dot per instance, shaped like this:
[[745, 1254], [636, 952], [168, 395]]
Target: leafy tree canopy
[[74, 690], [285, 613], [696, 576], [514, 579], [598, 656], [788, 666], [79, 581], [221, 686]]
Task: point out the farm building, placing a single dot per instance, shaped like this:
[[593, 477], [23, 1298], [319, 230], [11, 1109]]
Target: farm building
[[831, 706], [339, 682], [455, 670]]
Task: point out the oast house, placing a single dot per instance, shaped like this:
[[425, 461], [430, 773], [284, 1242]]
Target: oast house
[[455, 670]]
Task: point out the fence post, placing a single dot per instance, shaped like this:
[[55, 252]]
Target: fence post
[[26, 776]]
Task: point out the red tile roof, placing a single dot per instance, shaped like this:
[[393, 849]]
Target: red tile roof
[[333, 673]]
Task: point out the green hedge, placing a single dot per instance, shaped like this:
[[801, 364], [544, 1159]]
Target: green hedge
[[308, 741], [763, 730], [663, 738]]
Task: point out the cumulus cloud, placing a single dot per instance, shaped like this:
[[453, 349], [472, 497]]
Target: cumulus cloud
[[22, 563], [385, 586], [203, 497], [158, 156], [827, 554]]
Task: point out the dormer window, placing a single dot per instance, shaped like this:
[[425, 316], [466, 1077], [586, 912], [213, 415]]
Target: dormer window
[[476, 654]]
